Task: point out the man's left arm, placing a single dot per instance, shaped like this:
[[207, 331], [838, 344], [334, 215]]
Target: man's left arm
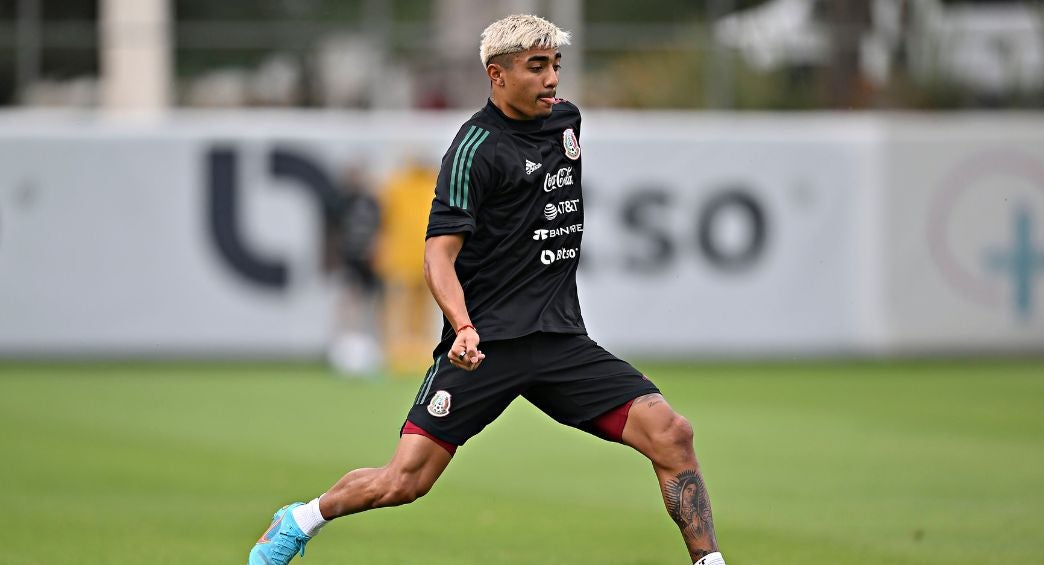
[[440, 254]]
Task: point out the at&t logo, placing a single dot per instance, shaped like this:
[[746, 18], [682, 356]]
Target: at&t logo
[[551, 211]]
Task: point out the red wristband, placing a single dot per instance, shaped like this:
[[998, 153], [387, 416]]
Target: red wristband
[[466, 326]]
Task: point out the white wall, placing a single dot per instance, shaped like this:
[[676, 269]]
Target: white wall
[[957, 190], [880, 234]]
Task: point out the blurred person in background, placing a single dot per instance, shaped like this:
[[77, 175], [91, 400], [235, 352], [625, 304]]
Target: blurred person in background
[[355, 221], [497, 261], [408, 308]]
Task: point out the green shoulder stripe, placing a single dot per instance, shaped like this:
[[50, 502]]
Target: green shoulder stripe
[[462, 165], [456, 159], [467, 169]]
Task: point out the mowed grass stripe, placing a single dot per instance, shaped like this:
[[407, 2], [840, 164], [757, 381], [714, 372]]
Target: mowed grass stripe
[[807, 463]]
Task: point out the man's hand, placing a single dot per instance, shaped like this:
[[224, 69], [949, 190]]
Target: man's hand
[[465, 354]]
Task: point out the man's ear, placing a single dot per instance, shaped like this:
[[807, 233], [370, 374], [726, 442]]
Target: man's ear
[[495, 73]]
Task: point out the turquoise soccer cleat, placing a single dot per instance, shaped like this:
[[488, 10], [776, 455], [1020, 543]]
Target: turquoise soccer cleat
[[281, 541]]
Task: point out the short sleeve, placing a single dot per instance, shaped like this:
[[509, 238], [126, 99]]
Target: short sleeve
[[467, 173]]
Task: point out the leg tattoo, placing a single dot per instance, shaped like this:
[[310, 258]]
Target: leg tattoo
[[649, 399], [689, 507]]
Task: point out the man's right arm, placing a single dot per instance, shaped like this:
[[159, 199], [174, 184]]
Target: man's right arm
[[440, 253]]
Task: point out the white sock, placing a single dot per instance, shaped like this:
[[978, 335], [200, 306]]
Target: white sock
[[308, 518], [711, 559]]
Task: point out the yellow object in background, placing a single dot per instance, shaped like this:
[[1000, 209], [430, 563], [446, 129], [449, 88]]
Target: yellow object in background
[[410, 315]]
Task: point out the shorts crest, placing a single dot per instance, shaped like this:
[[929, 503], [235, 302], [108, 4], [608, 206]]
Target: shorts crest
[[440, 404]]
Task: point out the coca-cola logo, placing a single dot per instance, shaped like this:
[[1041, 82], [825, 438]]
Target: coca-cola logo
[[561, 179]]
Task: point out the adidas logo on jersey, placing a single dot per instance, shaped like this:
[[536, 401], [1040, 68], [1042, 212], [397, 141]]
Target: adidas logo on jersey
[[532, 167]]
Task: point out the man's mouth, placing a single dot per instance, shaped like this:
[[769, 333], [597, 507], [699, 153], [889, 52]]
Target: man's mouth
[[549, 100]]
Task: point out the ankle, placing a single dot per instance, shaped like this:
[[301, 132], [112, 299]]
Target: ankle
[[309, 518], [711, 559]]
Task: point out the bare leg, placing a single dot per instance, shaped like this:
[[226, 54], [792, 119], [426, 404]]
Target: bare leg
[[665, 437], [417, 463]]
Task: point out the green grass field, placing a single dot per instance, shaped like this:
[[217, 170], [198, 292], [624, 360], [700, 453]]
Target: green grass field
[[812, 463]]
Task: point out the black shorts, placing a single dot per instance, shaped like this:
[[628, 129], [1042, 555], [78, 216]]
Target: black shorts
[[567, 376]]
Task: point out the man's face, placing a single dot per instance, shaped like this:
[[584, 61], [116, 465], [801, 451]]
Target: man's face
[[530, 82]]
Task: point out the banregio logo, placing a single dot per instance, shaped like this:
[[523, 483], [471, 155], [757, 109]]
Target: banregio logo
[[551, 211], [549, 256], [540, 235]]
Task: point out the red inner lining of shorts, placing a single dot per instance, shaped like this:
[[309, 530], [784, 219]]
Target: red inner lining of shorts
[[611, 424], [411, 428]]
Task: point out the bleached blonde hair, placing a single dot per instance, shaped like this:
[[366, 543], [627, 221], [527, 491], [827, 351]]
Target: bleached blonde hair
[[518, 33]]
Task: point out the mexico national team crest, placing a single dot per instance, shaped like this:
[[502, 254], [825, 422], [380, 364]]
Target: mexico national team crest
[[571, 145], [440, 404]]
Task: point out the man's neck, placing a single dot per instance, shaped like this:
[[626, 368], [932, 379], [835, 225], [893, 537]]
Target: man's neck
[[507, 110]]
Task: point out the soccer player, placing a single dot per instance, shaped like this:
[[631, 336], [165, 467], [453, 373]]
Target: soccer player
[[501, 253]]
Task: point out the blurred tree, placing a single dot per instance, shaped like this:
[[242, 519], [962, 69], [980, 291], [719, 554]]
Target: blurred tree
[[842, 83], [650, 54], [65, 46], [653, 10], [262, 10]]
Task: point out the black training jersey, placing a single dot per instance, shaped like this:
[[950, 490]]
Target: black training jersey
[[513, 187]]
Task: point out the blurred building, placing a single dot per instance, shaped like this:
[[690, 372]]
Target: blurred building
[[401, 54], [986, 49]]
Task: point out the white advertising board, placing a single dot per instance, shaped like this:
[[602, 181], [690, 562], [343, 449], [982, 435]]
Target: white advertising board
[[724, 236], [964, 230], [704, 235], [197, 237]]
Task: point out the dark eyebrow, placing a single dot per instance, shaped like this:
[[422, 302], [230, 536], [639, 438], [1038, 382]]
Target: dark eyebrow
[[542, 58]]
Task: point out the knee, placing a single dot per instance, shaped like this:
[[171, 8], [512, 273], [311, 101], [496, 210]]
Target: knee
[[672, 444], [678, 433], [400, 488]]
